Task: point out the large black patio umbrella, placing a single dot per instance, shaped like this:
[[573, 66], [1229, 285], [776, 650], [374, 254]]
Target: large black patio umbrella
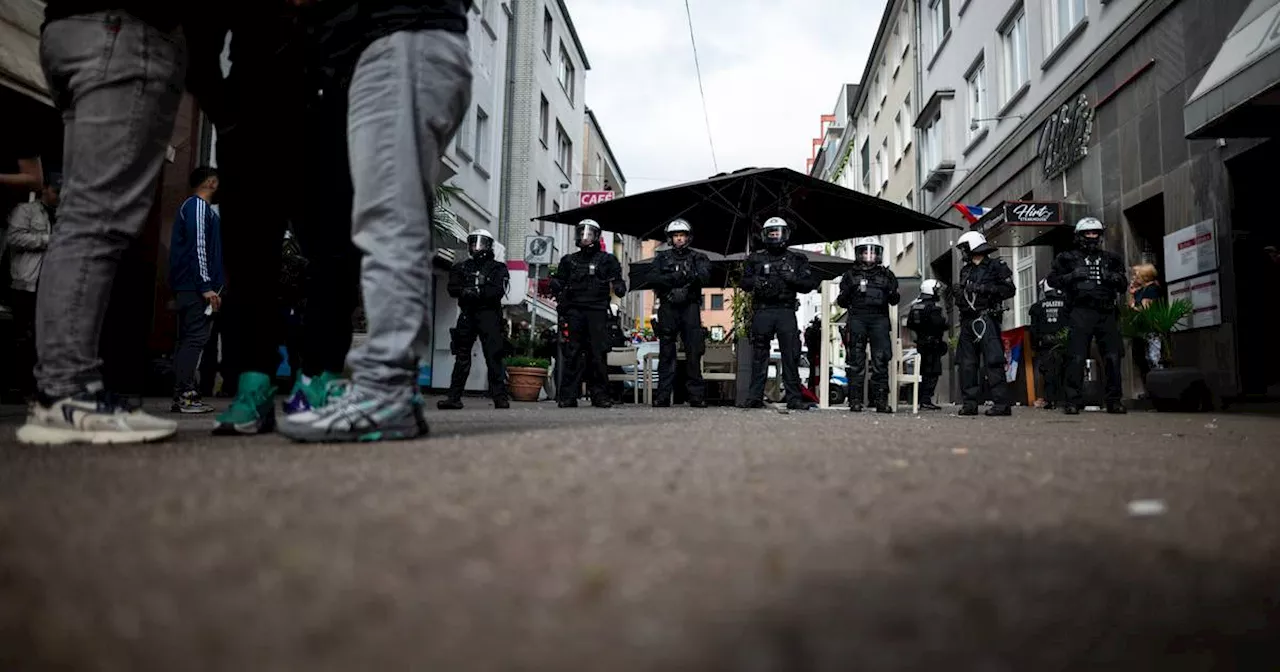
[[727, 210], [826, 266]]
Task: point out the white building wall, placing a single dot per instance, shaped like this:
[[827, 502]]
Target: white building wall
[[974, 35]]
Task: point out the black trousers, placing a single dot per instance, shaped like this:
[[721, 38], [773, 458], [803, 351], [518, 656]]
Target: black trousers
[[767, 322], [1086, 325], [683, 322], [586, 334], [1050, 363], [210, 366], [486, 327], [930, 372], [980, 349], [873, 328], [193, 334], [24, 337]]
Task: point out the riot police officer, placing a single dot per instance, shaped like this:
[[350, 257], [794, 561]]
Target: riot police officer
[[985, 284], [774, 275], [1093, 280], [582, 285], [478, 284], [679, 274], [1048, 318], [866, 291], [813, 342], [928, 321]]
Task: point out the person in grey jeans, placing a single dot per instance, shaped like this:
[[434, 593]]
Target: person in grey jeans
[[410, 88], [115, 71]]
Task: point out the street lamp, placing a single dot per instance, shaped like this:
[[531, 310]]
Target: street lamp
[[973, 125]]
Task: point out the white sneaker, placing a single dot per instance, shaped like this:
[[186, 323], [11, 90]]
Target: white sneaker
[[91, 417], [359, 415]]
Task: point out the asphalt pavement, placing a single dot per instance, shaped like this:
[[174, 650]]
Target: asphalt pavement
[[645, 539]]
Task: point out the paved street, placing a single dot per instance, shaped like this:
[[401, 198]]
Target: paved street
[[641, 539]]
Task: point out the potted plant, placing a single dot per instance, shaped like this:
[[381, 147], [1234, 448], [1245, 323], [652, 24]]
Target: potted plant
[[1170, 387], [740, 307], [526, 371]]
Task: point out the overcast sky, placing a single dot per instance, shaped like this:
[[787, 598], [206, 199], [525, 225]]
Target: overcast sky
[[770, 70]]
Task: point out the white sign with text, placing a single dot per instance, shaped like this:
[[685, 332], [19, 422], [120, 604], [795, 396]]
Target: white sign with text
[[1205, 295], [1191, 251]]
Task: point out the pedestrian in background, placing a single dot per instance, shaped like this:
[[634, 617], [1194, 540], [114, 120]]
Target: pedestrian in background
[[1144, 288], [195, 276], [30, 228]]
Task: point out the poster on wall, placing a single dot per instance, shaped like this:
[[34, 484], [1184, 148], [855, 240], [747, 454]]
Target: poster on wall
[[1205, 296], [1191, 251], [1012, 341]]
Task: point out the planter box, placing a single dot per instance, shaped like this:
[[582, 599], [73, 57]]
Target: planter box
[[743, 383], [525, 382], [1179, 389]]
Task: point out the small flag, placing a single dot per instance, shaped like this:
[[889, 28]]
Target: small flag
[[971, 212]]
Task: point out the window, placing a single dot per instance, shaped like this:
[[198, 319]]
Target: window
[[482, 138], [546, 32], [884, 169], [882, 84], [896, 41], [544, 120], [939, 23], [876, 87], [717, 302], [1062, 16], [909, 201], [1024, 274], [566, 72], [600, 168], [1013, 40], [564, 151], [866, 165], [899, 137], [555, 206], [462, 140], [542, 199], [976, 83], [878, 177], [931, 142]]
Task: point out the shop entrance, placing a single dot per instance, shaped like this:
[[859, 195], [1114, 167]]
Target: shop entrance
[[1146, 230], [1257, 268]]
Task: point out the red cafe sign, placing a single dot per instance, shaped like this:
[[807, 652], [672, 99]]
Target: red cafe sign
[[586, 198]]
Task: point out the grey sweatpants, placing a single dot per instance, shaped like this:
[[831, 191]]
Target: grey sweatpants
[[117, 82], [408, 96]]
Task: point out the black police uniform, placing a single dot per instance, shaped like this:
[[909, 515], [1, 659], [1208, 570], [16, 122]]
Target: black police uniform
[[1048, 317], [478, 285], [1092, 281], [867, 291], [928, 321], [679, 275], [581, 284], [813, 341], [774, 276], [980, 297]]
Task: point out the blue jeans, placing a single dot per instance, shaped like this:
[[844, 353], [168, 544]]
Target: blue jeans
[[408, 96], [117, 82]]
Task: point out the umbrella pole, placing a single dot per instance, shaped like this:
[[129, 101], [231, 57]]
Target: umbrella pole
[[824, 380]]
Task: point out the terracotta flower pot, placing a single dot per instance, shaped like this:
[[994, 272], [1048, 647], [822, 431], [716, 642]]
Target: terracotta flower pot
[[525, 382]]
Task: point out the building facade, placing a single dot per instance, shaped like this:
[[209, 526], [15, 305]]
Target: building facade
[[546, 115], [1047, 111]]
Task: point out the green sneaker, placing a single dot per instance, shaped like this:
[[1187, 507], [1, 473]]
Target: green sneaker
[[313, 394], [253, 410]]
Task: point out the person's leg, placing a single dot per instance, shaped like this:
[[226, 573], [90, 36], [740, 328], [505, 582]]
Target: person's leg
[[209, 364], [1111, 345], [761, 338], [789, 348], [573, 327], [1080, 331], [667, 352], [118, 82], [597, 357], [967, 358], [193, 334], [493, 345], [691, 333], [462, 339], [24, 333], [878, 332], [856, 389], [993, 356]]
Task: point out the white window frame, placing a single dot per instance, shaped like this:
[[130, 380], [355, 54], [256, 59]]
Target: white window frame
[[1024, 260], [900, 140], [464, 137], [548, 32], [544, 121], [939, 25], [975, 86], [878, 172], [1055, 29], [931, 142], [884, 168], [564, 151], [1015, 57], [540, 201], [566, 73]]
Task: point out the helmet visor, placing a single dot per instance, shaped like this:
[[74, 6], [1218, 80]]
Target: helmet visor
[[479, 245], [588, 236], [869, 254]]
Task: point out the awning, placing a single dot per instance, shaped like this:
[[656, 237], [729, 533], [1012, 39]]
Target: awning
[[1239, 95], [1026, 223], [20, 49]]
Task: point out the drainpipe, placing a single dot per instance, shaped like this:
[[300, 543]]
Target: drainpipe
[[918, 193], [504, 229]]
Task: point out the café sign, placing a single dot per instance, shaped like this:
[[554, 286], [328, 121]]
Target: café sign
[[1064, 138], [1027, 212], [587, 198]]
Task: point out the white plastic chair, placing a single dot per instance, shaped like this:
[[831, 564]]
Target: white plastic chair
[[899, 376], [625, 357]]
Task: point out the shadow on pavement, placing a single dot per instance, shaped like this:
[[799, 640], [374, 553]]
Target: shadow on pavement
[[992, 600]]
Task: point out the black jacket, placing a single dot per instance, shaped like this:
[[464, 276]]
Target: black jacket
[[1093, 279], [585, 278], [874, 298], [928, 322], [163, 14], [1048, 317], [983, 288], [678, 276], [479, 285], [775, 277]]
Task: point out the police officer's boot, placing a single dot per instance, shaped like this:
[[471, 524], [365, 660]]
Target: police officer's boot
[[1116, 408], [1050, 405], [928, 405], [968, 409], [449, 404], [1071, 409], [998, 411], [567, 403], [602, 402], [662, 401], [697, 402], [502, 402]]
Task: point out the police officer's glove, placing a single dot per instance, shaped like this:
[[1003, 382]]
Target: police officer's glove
[[1080, 273]]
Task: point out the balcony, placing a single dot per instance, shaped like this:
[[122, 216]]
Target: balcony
[[939, 174]]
